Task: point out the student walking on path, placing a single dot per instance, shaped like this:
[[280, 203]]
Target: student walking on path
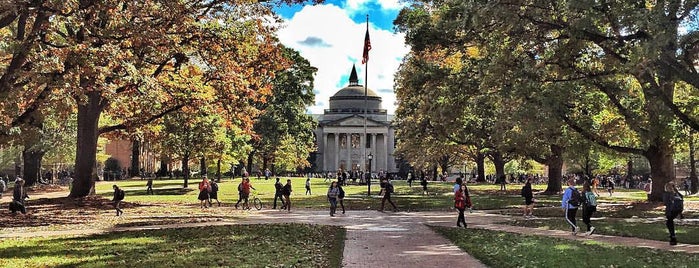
[[674, 204], [19, 194], [118, 197], [213, 195], [387, 190], [570, 203], [462, 200], [341, 198], [286, 192], [204, 189], [528, 199], [589, 207], [244, 191], [278, 194], [333, 193]]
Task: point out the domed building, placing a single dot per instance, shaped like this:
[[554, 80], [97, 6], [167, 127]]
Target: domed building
[[340, 133]]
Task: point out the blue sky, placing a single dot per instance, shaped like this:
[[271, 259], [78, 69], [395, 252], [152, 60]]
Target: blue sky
[[331, 37]]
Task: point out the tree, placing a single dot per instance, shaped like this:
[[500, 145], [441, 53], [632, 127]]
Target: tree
[[283, 131]]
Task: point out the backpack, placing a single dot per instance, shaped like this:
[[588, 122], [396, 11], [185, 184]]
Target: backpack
[[677, 203], [575, 198], [121, 194], [240, 187], [389, 188], [590, 199]]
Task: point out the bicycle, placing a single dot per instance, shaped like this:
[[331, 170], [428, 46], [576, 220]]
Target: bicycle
[[256, 202]]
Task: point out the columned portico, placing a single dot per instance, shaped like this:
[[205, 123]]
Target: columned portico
[[342, 129]]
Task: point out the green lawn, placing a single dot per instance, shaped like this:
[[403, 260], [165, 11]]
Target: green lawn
[[502, 249], [620, 227], [289, 245]]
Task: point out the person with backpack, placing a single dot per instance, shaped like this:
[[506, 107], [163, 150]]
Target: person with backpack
[[278, 193], [286, 192], [333, 193], [204, 189], [570, 203], [19, 194], [674, 205], [244, 192], [528, 199], [387, 190], [213, 195], [118, 197], [462, 200], [589, 207]]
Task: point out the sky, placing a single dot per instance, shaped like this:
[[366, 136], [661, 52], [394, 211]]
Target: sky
[[331, 37]]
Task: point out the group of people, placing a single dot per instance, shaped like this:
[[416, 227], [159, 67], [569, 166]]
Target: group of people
[[587, 200], [208, 191]]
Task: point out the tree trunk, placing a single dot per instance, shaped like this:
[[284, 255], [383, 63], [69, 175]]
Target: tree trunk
[[555, 169], [662, 169], [218, 170], [135, 157], [86, 152], [249, 164], [480, 164], [629, 169], [202, 166], [163, 170], [185, 170], [692, 164], [499, 163], [32, 165]]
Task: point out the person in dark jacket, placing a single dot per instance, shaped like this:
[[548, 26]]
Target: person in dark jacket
[[286, 192], [118, 197], [19, 194], [213, 195], [278, 194], [149, 186], [387, 190], [528, 199], [672, 199], [341, 198]]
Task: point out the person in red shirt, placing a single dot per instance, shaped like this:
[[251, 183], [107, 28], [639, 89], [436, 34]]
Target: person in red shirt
[[462, 200], [244, 191], [204, 189]]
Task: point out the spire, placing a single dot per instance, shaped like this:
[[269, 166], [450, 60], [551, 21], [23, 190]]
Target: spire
[[353, 80]]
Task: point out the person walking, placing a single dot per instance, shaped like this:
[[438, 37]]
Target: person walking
[[457, 184], [286, 192], [674, 205], [589, 207], [19, 194], [308, 186], [341, 198], [570, 203], [686, 183], [333, 193], [204, 189], [149, 186], [213, 195], [244, 189], [595, 185], [610, 186], [423, 182], [278, 193], [462, 200], [118, 197], [528, 199], [387, 190]]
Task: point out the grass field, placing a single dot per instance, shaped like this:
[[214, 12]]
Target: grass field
[[501, 249], [287, 245]]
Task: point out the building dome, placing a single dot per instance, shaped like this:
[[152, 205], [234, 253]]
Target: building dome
[[351, 98]]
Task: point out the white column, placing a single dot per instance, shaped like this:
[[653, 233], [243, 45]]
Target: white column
[[349, 150], [336, 152], [325, 150], [362, 164], [386, 151]]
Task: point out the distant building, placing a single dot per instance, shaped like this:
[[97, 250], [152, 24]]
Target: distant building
[[340, 133]]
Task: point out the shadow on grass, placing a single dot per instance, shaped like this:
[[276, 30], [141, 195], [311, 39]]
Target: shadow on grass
[[244, 246]]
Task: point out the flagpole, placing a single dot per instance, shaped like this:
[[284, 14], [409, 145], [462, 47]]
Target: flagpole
[[366, 107]]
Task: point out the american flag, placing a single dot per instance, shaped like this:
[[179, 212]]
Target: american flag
[[367, 47]]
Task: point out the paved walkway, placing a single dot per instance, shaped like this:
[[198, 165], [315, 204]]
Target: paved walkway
[[402, 239]]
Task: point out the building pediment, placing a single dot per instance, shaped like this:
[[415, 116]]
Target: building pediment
[[355, 121]]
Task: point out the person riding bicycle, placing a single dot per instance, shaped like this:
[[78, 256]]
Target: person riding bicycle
[[244, 190]]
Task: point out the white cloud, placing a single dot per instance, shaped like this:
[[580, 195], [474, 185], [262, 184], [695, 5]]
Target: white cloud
[[343, 41]]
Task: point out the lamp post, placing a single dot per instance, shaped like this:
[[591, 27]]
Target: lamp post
[[368, 179]]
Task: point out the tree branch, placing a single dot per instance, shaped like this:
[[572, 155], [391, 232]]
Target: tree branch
[[597, 139], [122, 126]]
